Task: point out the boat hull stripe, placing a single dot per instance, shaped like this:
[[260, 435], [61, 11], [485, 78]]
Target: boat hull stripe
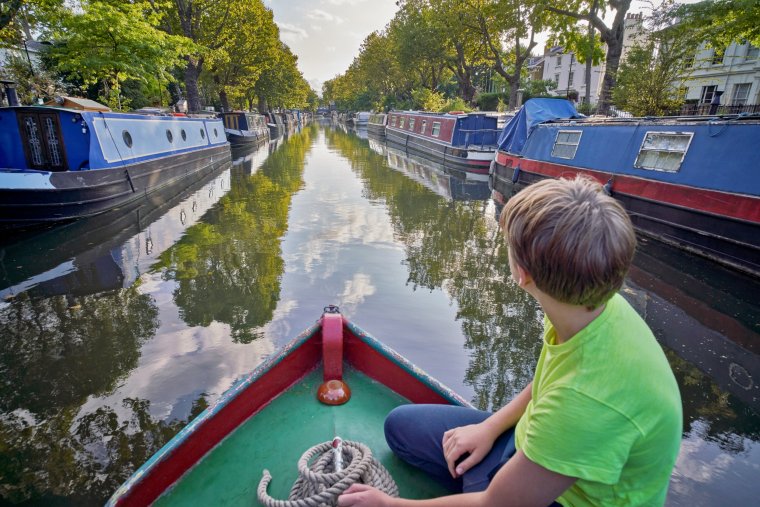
[[708, 201]]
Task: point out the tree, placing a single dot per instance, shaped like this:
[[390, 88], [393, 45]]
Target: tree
[[717, 22], [645, 81], [592, 11], [110, 42]]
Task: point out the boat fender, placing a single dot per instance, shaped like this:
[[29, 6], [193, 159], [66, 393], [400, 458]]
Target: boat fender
[[607, 187], [516, 175]]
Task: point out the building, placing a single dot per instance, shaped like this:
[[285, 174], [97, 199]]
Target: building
[[731, 75], [570, 75]]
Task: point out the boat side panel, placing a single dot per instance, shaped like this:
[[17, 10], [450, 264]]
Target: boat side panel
[[721, 156], [238, 404], [376, 360]]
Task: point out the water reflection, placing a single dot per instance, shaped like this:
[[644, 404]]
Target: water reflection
[[94, 312], [117, 331]]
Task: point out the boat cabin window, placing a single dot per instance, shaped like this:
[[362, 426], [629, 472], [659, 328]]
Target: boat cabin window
[[183, 134], [422, 128], [393, 121], [401, 122], [411, 123], [169, 136], [436, 128], [566, 143], [203, 134], [663, 151], [127, 138]]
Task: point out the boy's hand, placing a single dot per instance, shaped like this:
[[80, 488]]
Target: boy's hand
[[473, 439], [361, 495]]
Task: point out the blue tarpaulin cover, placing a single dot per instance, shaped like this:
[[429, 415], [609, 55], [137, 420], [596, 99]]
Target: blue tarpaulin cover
[[534, 111]]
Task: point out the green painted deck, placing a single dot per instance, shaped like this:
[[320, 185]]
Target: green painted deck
[[277, 437]]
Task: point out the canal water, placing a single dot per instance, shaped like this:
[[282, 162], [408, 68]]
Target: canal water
[[118, 330]]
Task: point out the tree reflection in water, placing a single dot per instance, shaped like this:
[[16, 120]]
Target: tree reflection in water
[[456, 246], [59, 352], [228, 269]]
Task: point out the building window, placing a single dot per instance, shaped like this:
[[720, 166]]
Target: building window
[[436, 128], [570, 79], [411, 124], [663, 151], [689, 61], [741, 93], [558, 62], [717, 58], [556, 79], [422, 127], [566, 143], [707, 94]]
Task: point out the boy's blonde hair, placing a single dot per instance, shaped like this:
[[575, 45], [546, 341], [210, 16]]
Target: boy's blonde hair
[[575, 241]]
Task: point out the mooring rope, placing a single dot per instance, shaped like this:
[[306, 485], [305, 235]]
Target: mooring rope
[[319, 484]]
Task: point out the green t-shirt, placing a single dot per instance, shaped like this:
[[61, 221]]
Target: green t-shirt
[[606, 409]]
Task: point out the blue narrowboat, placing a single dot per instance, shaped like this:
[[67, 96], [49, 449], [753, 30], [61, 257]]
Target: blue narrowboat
[[58, 164], [691, 182], [460, 141], [245, 129]]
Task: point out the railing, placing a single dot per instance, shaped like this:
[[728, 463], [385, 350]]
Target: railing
[[722, 109], [481, 137]]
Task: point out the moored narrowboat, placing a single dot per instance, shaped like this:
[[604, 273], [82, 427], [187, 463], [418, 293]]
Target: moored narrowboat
[[687, 181], [462, 141], [376, 124], [259, 423], [245, 129], [361, 118], [58, 164]]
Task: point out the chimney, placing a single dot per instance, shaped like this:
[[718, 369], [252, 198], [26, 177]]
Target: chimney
[[10, 93]]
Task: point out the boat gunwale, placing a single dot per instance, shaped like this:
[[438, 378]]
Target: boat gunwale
[[134, 491]]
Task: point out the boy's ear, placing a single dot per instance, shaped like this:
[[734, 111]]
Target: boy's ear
[[523, 277]]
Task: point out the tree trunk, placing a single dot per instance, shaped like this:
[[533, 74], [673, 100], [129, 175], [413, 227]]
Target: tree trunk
[[192, 71], [224, 100], [614, 50], [589, 63], [263, 106]]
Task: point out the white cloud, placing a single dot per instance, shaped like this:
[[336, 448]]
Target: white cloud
[[292, 33], [345, 2], [320, 15]]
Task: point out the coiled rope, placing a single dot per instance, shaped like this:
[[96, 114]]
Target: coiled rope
[[319, 484]]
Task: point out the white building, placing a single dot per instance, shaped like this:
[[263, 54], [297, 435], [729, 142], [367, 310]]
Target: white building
[[734, 70], [570, 76]]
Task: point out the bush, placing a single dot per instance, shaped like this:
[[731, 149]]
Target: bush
[[490, 101], [456, 104], [428, 100]]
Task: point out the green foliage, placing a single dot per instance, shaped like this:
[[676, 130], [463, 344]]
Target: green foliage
[[719, 22], [32, 82], [490, 101], [110, 42], [456, 104], [427, 100], [538, 88], [644, 82]]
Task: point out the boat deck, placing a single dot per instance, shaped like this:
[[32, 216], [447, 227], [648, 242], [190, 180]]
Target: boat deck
[[276, 438]]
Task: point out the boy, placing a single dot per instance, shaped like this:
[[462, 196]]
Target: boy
[[601, 422]]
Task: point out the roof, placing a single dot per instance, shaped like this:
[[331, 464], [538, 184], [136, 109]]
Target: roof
[[77, 103]]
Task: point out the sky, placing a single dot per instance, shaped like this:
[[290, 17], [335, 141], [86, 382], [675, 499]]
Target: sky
[[326, 34]]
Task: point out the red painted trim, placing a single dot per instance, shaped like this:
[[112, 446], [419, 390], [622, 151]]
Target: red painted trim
[[332, 346], [737, 206], [284, 374], [375, 365]]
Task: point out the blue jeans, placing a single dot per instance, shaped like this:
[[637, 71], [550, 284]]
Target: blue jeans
[[415, 434]]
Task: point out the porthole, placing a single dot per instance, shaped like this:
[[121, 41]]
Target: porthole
[[203, 134], [184, 135], [216, 134], [169, 136], [127, 138]]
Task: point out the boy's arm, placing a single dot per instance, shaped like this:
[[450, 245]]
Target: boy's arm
[[520, 482], [478, 439]]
